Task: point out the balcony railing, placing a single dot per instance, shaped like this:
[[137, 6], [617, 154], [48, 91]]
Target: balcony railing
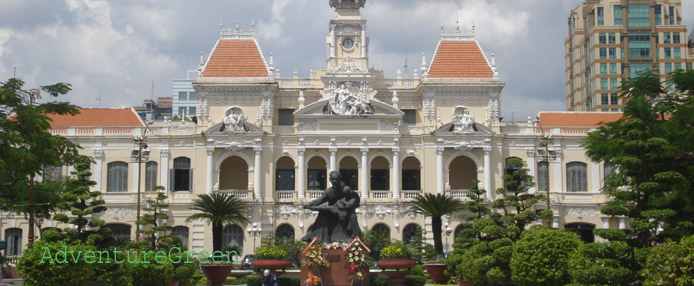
[[380, 194], [314, 194], [410, 194], [241, 194], [285, 195], [461, 194]]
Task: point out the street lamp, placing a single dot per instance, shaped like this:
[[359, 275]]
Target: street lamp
[[139, 156], [448, 232], [254, 231]]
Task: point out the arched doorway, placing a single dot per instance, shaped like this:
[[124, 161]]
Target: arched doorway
[[232, 235], [411, 234], [462, 171], [120, 231], [584, 231], [380, 174], [350, 173], [233, 174], [411, 174], [182, 232], [284, 174], [285, 231], [316, 178]]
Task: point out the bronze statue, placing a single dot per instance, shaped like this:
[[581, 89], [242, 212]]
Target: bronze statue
[[337, 221]]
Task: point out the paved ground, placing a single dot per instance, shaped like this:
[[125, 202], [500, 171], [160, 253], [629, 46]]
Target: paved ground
[[7, 282]]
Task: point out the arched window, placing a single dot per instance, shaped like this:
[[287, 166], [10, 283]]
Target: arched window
[[462, 171], [577, 177], [380, 175], [380, 227], [182, 232], [120, 231], [285, 231], [117, 177], [459, 230], [609, 169], [542, 176], [317, 174], [410, 233], [411, 174], [14, 241], [284, 174], [349, 172], [232, 235], [182, 175], [233, 174], [151, 170], [584, 231]]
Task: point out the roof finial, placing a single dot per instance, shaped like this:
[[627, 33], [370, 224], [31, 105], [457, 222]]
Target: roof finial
[[221, 24], [473, 26], [202, 58], [237, 25], [493, 60], [457, 20], [252, 24]]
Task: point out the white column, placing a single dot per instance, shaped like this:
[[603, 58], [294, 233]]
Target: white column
[[364, 174], [555, 222], [98, 164], [622, 222], [606, 222], [164, 169], [558, 174], [210, 169], [363, 41], [396, 173], [257, 170], [439, 170], [302, 174], [333, 159], [333, 44], [532, 166], [595, 178], [134, 179], [488, 171]]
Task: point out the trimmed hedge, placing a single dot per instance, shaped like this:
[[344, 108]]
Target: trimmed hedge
[[415, 280]]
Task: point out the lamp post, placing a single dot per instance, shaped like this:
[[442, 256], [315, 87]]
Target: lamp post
[[254, 231], [545, 141], [138, 156]]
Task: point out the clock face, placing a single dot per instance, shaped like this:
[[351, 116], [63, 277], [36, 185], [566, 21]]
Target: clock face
[[348, 43]]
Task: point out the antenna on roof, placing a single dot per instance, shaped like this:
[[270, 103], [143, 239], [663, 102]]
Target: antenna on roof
[[99, 99], [151, 97], [405, 66]]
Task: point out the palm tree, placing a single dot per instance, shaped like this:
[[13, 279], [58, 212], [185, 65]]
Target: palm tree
[[220, 210], [436, 206]]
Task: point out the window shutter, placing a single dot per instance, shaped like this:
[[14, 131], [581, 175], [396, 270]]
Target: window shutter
[[172, 180], [190, 180]]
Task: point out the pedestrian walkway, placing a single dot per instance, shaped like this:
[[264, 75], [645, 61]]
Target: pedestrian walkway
[[8, 282]]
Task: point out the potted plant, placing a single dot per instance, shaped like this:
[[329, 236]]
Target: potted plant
[[397, 256], [270, 256], [219, 210]]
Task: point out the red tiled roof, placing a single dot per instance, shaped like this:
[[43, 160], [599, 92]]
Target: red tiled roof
[[236, 59], [98, 117], [459, 59], [577, 119]]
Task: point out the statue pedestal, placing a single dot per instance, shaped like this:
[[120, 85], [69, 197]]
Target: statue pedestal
[[337, 274]]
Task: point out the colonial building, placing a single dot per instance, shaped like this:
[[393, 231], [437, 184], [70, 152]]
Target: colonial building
[[612, 40], [272, 141]]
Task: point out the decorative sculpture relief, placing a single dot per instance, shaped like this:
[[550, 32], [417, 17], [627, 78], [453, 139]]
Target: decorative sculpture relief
[[268, 106], [463, 121], [286, 211], [494, 109], [582, 211], [348, 98], [429, 106], [234, 121], [347, 4]]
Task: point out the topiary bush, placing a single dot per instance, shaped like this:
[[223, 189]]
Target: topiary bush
[[671, 264], [541, 257], [152, 273], [415, 280], [254, 280], [290, 280], [605, 263], [378, 280]]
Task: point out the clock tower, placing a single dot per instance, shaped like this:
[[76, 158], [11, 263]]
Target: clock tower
[[347, 42]]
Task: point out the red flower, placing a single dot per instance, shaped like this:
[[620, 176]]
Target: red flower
[[352, 266]]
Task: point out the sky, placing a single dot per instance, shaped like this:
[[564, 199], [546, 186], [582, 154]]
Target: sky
[[115, 49]]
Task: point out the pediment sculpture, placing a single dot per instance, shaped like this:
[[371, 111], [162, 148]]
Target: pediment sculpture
[[348, 98], [463, 121], [234, 121]]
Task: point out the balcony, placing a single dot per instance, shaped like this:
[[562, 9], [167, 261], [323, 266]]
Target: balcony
[[410, 194], [461, 194], [285, 195], [313, 194], [380, 195], [241, 194]]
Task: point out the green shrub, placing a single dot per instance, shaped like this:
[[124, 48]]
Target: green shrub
[[270, 251], [671, 264], [417, 270], [379, 280], [415, 280], [397, 250], [254, 280], [290, 280], [150, 274], [541, 257], [605, 263], [486, 262]]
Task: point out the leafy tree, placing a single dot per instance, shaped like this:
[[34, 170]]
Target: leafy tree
[[671, 264], [436, 206], [26, 144], [604, 263], [376, 240], [219, 210], [541, 256], [647, 146], [152, 229]]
